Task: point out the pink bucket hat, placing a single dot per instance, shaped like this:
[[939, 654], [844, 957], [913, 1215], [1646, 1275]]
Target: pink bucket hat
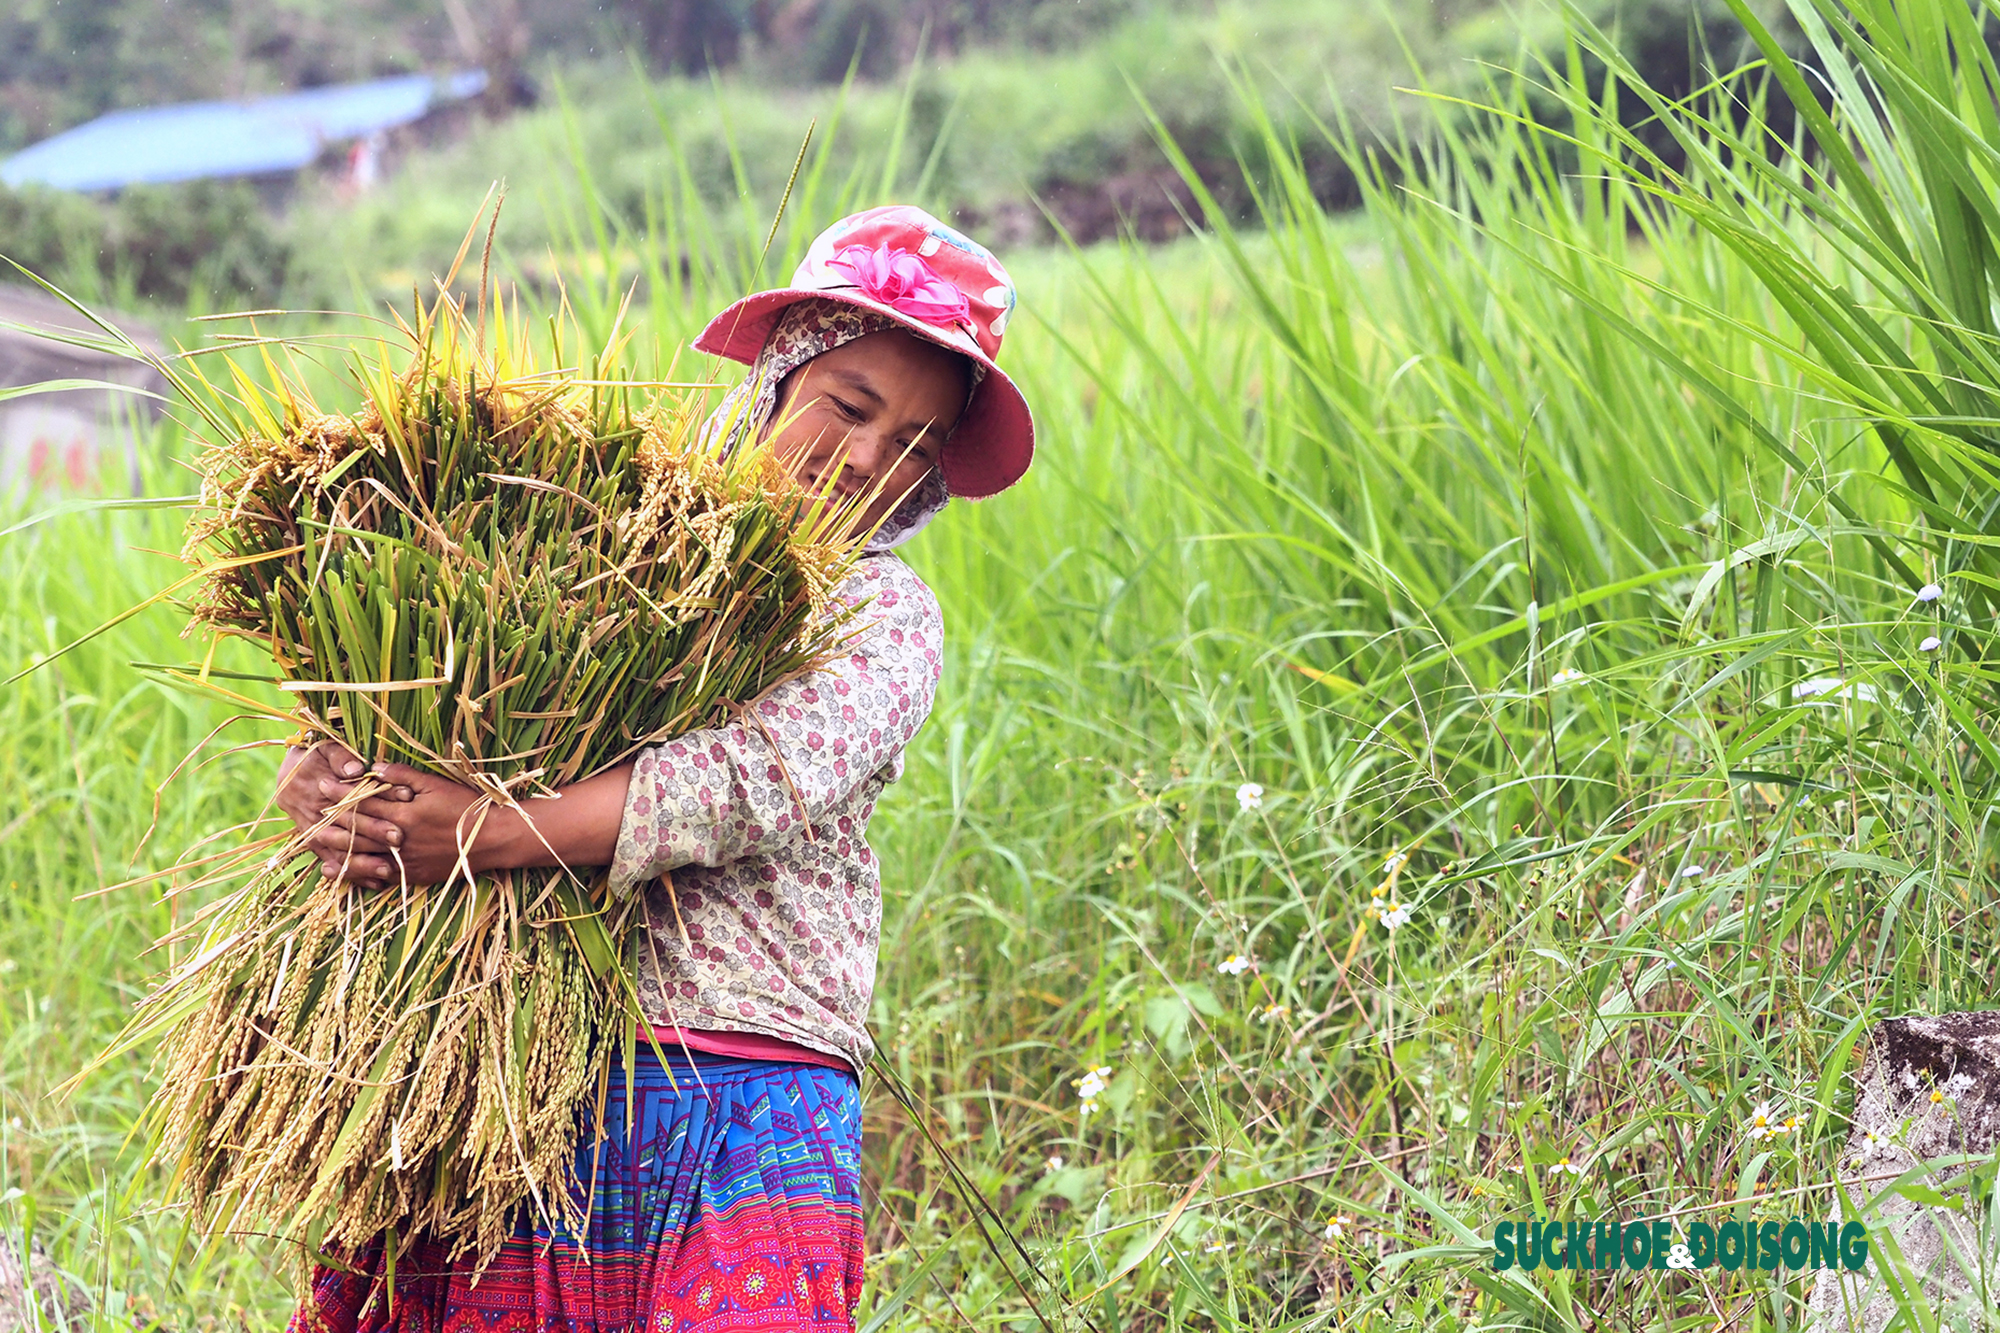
[[939, 285]]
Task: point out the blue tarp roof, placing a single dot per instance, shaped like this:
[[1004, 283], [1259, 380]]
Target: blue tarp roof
[[197, 139]]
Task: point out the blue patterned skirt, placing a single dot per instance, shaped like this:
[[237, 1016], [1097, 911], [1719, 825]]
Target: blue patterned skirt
[[724, 1195]]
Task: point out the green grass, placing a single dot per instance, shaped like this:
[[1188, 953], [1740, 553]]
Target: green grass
[[1331, 507]]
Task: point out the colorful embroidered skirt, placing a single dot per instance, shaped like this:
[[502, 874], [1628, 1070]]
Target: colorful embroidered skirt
[[735, 1205]]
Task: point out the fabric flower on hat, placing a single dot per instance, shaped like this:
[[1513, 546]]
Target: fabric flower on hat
[[904, 282]]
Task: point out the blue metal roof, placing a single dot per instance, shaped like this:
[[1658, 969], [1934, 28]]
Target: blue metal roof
[[198, 139]]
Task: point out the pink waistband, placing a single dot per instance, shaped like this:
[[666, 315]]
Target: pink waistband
[[745, 1046]]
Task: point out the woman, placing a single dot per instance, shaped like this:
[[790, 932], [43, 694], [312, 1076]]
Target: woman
[[725, 1193]]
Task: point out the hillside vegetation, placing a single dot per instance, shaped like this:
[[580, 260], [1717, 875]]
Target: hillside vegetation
[[65, 61], [1476, 698], [1034, 125]]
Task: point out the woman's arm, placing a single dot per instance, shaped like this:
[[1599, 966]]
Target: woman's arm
[[782, 769], [415, 829], [703, 798]]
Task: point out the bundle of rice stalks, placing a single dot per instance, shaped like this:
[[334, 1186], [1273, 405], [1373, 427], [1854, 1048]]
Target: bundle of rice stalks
[[516, 578]]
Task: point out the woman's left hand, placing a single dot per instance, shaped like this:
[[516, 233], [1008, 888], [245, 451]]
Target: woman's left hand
[[436, 819]]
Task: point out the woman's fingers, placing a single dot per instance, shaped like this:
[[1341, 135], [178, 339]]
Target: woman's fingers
[[361, 869], [339, 760], [311, 780], [297, 784], [382, 804], [338, 842], [355, 841], [340, 830], [327, 760], [356, 821], [401, 777], [332, 791]]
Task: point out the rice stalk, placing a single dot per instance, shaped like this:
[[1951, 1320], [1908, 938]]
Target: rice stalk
[[516, 576]]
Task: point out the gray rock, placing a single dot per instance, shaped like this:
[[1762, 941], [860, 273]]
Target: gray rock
[[1909, 1059], [38, 1289]]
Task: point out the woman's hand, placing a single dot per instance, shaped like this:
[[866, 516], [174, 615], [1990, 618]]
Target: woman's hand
[[413, 829], [409, 830], [432, 823], [357, 843]]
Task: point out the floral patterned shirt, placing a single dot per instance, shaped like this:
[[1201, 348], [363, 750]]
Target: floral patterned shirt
[[763, 899]]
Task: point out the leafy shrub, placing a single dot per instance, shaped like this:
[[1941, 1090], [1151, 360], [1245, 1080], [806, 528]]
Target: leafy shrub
[[204, 243], [52, 232]]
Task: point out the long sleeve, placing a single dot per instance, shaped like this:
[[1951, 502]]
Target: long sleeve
[[727, 793]]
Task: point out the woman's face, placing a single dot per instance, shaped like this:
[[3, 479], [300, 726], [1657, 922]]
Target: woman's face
[[869, 417]]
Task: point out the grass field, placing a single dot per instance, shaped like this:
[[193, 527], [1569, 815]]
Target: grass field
[[1543, 554]]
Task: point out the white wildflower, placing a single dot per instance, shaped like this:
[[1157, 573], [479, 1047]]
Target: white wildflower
[[1565, 1167], [1338, 1226], [1235, 965], [1762, 1123], [1396, 861], [1396, 915], [1930, 592], [1092, 1085], [1053, 1165], [1273, 1012], [1250, 796], [1930, 644], [1874, 1143], [1215, 1247], [1693, 872], [1567, 676]]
